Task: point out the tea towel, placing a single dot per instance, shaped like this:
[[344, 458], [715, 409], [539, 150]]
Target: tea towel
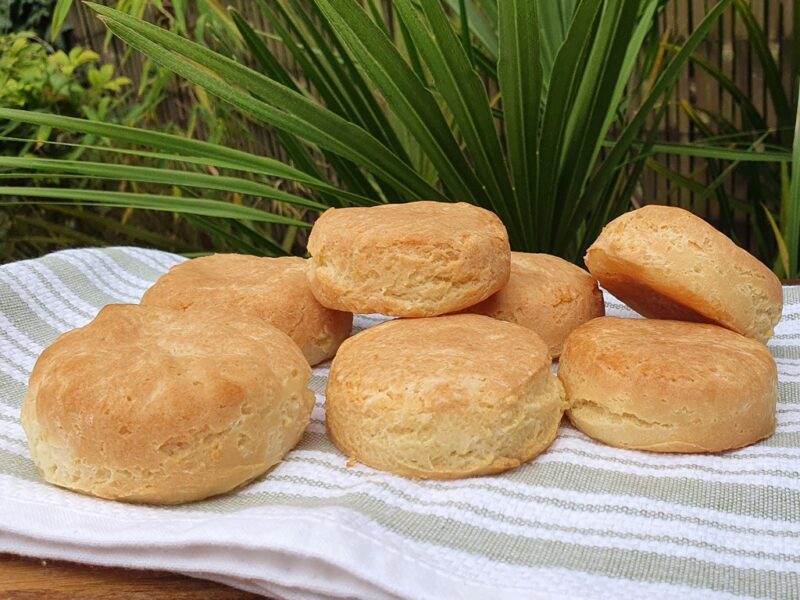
[[582, 520]]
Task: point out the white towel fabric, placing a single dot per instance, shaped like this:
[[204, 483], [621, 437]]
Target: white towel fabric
[[582, 520]]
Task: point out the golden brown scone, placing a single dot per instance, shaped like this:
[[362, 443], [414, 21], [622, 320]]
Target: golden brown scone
[[666, 263], [546, 294], [418, 259], [153, 405], [444, 397], [274, 289], [668, 386]]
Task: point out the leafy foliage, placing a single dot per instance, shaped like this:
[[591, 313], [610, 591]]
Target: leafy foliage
[[542, 111], [25, 15], [763, 196], [57, 82]]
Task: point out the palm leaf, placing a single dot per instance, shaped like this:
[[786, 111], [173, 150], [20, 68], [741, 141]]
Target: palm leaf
[[158, 175], [185, 148], [520, 79], [623, 143], [791, 227], [227, 79], [198, 206], [406, 96], [465, 96]]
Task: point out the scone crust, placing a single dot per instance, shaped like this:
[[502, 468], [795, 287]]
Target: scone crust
[[443, 398], [274, 289], [666, 263], [408, 260], [668, 386], [153, 405], [547, 294]]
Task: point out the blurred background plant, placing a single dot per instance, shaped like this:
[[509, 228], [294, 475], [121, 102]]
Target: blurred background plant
[[397, 101], [35, 76], [43, 69], [751, 106]]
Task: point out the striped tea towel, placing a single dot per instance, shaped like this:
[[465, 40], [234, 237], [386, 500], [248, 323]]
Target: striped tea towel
[[581, 521]]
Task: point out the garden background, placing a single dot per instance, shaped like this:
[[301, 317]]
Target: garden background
[[717, 138]]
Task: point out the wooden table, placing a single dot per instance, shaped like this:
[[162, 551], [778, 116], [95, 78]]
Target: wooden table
[[29, 579]]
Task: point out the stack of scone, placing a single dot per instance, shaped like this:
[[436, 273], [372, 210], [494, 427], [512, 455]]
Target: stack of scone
[[196, 391], [701, 380], [204, 386], [432, 394]]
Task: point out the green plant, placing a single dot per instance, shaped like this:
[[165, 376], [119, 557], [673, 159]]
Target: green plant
[[763, 196], [404, 114], [25, 15], [30, 230], [34, 77]]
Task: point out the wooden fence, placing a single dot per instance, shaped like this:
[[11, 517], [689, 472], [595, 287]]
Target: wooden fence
[[727, 48]]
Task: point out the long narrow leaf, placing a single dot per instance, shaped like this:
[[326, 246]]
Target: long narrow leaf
[[520, 78], [158, 175], [480, 24], [338, 95], [792, 226], [343, 66], [215, 228], [215, 154], [127, 230], [333, 78], [60, 12], [751, 117], [209, 208], [619, 36], [570, 64], [783, 251], [772, 76], [296, 150], [701, 150]]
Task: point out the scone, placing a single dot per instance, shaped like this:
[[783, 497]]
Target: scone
[[273, 289], [444, 397], [418, 259], [668, 386], [666, 263], [546, 294], [153, 405]]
